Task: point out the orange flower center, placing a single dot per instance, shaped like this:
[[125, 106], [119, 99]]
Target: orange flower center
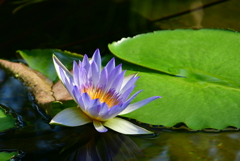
[[110, 98]]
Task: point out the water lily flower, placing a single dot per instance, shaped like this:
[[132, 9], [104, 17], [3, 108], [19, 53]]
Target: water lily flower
[[101, 95]]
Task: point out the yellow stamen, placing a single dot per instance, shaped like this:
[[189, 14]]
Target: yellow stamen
[[103, 96]]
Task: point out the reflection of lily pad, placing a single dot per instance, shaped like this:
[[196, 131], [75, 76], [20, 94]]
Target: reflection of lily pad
[[205, 93], [223, 146]]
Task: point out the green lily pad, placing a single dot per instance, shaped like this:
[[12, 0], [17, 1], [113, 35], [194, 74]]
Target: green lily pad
[[41, 60], [6, 121], [196, 72], [58, 106], [5, 156]]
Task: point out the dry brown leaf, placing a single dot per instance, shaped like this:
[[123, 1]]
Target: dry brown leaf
[[39, 85]]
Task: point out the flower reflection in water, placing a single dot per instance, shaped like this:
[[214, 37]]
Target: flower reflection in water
[[94, 146]]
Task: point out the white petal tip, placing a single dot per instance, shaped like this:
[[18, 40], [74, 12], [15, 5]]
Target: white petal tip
[[52, 122], [103, 131], [125, 127], [99, 126], [70, 117]]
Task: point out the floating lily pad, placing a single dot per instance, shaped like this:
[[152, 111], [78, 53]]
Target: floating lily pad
[[6, 121], [196, 72], [41, 60], [5, 156]]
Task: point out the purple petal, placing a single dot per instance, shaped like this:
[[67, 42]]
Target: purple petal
[[95, 74], [104, 109], [118, 82], [123, 97], [83, 77], [129, 84], [76, 73], [77, 96], [110, 65], [133, 96], [127, 79], [104, 112], [62, 76], [112, 76], [99, 127], [67, 82], [103, 78], [137, 105], [97, 59], [116, 110], [86, 100], [113, 112], [58, 65], [85, 63], [117, 70], [94, 111], [98, 109], [89, 74]]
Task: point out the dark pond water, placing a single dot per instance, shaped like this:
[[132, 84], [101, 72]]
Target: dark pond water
[[81, 27], [34, 139]]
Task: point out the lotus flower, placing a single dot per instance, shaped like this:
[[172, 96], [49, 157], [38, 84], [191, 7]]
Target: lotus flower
[[101, 95]]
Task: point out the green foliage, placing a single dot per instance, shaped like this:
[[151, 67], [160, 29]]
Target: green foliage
[[6, 120], [5, 156], [58, 106], [41, 60], [195, 71]]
